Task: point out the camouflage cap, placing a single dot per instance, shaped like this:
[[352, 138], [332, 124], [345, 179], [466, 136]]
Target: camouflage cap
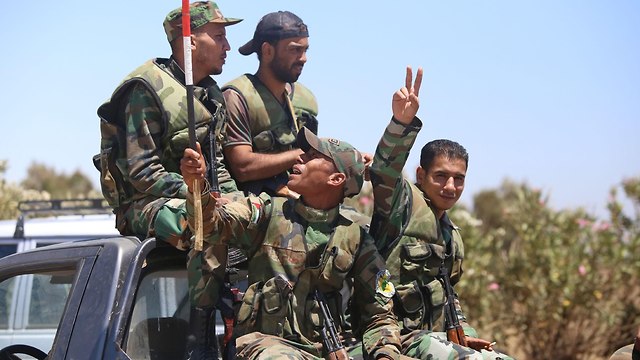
[[273, 27], [201, 12], [348, 160]]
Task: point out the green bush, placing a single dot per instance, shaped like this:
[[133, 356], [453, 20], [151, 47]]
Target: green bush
[[551, 284]]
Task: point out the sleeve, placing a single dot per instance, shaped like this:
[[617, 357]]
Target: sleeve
[[239, 223], [144, 129], [386, 176], [238, 127], [372, 303]]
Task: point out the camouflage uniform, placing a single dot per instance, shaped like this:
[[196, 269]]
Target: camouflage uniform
[[294, 251], [415, 244], [144, 134], [256, 118]]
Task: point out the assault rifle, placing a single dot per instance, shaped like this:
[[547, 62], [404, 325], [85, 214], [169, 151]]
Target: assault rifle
[[451, 322], [330, 338], [212, 175]]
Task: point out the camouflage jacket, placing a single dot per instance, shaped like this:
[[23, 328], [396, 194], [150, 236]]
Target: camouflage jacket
[[410, 237], [144, 133], [295, 250], [258, 119]]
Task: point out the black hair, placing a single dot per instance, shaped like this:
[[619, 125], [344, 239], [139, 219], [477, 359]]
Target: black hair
[[449, 149]]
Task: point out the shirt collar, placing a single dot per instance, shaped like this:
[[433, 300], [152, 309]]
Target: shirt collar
[[312, 215]]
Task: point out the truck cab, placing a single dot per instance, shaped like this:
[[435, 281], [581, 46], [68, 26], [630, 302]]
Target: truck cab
[[91, 296]]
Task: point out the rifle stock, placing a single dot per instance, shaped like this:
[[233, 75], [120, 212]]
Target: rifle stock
[[454, 330], [330, 338]]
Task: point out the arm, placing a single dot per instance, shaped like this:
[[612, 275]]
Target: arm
[[236, 223], [389, 160], [144, 157], [246, 165], [374, 309]]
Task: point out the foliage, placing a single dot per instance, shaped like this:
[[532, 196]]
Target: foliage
[[42, 183], [551, 284], [41, 177]]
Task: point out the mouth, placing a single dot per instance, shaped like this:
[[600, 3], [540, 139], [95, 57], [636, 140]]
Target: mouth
[[296, 171], [448, 196]]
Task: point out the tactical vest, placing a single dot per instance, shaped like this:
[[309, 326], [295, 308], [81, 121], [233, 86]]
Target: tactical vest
[[414, 261], [280, 300], [170, 97], [271, 125]]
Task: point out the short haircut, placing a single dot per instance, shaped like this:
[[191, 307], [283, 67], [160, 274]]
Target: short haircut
[[447, 148]]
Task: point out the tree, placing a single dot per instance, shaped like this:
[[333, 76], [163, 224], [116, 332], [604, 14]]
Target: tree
[[11, 194], [41, 177], [42, 183]]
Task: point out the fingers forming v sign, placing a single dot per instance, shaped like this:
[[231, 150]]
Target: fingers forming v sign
[[405, 102]]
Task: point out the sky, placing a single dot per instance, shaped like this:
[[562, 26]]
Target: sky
[[545, 92]]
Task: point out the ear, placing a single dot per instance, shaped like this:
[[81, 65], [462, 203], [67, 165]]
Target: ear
[[337, 179], [421, 174], [268, 51], [194, 42]]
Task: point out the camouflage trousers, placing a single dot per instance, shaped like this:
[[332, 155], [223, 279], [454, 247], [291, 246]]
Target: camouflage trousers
[[166, 220], [260, 346], [424, 344]]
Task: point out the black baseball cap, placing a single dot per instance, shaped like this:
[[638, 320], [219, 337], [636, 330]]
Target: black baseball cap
[[273, 27]]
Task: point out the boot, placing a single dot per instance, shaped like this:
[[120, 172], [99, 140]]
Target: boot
[[201, 341]]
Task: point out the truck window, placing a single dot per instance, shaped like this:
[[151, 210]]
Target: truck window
[[159, 322], [7, 289], [46, 301], [31, 307]]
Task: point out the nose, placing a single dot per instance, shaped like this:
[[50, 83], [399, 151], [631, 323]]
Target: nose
[[450, 184], [226, 45]]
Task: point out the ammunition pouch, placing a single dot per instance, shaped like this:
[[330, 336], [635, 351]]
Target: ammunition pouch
[[419, 303], [307, 120], [264, 308], [276, 140]]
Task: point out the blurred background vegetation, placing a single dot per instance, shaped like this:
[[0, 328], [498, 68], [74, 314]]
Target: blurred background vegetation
[[42, 183], [544, 284]]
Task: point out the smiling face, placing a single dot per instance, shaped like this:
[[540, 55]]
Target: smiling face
[[442, 182], [290, 55], [211, 48]]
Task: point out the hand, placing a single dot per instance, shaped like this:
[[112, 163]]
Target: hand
[[193, 166], [368, 160], [405, 102], [479, 344]]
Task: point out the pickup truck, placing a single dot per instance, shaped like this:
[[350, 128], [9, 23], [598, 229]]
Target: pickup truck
[[103, 298], [114, 298]]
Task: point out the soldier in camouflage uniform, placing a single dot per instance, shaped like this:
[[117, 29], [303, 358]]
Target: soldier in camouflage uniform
[[413, 232], [297, 247], [267, 109], [144, 133]]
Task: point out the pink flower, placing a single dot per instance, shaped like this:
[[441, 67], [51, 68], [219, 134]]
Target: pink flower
[[494, 286], [582, 223], [582, 270], [603, 226]]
